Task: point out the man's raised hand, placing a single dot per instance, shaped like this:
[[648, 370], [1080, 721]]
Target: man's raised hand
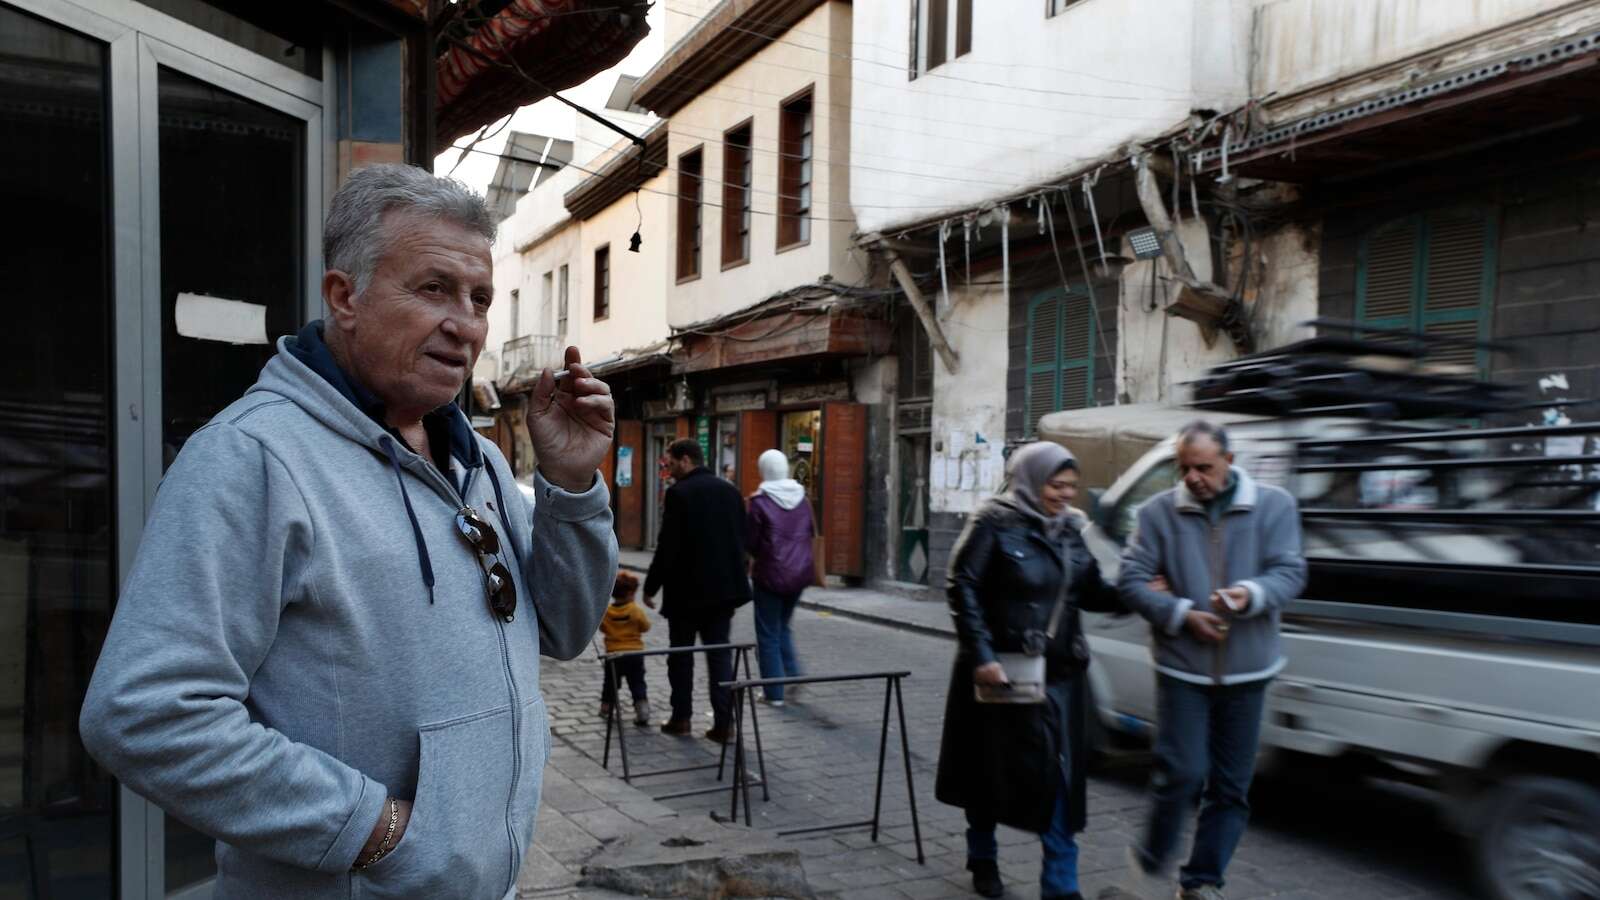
[[571, 421]]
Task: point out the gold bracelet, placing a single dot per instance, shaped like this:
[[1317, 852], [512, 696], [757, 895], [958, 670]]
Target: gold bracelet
[[388, 835]]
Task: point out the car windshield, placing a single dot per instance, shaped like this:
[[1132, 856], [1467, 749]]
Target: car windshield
[[1121, 523]]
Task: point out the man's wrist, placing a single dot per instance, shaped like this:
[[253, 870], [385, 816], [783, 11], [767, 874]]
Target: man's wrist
[[572, 484]]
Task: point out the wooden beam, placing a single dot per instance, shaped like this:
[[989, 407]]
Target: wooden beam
[[930, 324], [1199, 301]]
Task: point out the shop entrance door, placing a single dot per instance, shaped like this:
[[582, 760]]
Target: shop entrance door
[[911, 563], [57, 446], [233, 169], [168, 195]]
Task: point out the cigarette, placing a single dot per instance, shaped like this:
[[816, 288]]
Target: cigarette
[[562, 374]]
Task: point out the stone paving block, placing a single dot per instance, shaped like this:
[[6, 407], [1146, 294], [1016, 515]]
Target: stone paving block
[[541, 871], [605, 824]]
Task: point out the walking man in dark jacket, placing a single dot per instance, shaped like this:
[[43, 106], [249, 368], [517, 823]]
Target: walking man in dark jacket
[[700, 564], [1229, 549]]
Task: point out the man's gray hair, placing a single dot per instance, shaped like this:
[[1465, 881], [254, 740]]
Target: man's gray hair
[[353, 239], [1202, 428]]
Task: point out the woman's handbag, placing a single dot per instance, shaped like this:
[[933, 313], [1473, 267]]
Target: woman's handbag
[[1026, 670]]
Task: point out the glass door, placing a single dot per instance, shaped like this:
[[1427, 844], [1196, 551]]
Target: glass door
[[231, 224], [57, 527]]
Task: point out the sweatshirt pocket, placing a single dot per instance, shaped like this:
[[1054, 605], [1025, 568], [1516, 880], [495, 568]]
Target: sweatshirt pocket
[[456, 844]]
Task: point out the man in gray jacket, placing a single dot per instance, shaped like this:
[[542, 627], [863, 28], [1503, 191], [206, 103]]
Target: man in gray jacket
[[326, 654], [1229, 550]]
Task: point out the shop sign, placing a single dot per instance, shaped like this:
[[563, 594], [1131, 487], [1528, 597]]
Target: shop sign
[[703, 435], [740, 401], [814, 393]]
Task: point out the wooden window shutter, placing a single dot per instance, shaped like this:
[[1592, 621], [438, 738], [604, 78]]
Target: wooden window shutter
[[938, 32], [758, 433], [844, 487], [1390, 270], [1044, 351], [1432, 274], [1455, 288], [963, 27], [1060, 365], [1077, 327]]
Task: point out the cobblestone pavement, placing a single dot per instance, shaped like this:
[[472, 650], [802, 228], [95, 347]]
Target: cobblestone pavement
[[1311, 837]]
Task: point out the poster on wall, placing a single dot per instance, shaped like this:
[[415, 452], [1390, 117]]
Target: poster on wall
[[624, 467]]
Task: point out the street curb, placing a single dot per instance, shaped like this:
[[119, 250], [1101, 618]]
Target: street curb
[[845, 612], [873, 618]]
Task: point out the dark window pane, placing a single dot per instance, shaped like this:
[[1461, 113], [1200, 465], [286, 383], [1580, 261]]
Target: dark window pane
[[232, 229], [57, 571]]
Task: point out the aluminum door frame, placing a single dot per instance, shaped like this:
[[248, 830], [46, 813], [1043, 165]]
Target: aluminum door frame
[[138, 40]]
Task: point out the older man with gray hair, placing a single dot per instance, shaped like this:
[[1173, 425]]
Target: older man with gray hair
[[326, 654]]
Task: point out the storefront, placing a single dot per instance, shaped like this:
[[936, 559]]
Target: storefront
[[166, 167], [803, 382]]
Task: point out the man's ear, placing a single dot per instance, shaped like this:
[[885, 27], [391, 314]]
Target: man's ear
[[339, 293], [1229, 457]]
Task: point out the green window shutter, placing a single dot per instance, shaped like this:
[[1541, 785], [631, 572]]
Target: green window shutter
[[1456, 291], [1431, 273], [1060, 367], [1390, 269], [1044, 351]]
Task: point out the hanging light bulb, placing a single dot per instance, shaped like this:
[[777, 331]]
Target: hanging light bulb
[[634, 242]]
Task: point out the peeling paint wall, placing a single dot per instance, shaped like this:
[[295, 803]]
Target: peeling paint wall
[[969, 407]]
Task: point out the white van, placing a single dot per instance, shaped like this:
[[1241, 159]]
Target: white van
[[1449, 630]]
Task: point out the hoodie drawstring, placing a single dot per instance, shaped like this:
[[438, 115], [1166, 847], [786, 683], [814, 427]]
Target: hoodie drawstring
[[416, 529], [510, 538]]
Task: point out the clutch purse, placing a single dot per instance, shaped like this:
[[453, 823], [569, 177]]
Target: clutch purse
[[1025, 671], [1026, 674]]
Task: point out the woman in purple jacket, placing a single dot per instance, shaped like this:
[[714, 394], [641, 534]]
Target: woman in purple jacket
[[777, 534]]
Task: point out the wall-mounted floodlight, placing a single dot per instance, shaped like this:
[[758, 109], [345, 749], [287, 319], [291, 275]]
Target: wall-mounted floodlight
[[1145, 243]]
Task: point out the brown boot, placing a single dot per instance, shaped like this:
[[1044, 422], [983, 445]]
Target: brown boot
[[677, 726], [722, 734]]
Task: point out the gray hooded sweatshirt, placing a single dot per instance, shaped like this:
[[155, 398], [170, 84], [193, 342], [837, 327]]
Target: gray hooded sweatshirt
[[279, 664], [1254, 543]]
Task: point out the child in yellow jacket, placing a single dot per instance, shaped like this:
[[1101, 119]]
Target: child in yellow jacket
[[624, 625]]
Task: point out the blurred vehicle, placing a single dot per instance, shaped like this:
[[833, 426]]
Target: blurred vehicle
[[1449, 635]]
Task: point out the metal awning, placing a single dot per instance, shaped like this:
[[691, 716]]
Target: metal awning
[[1550, 85], [496, 56]]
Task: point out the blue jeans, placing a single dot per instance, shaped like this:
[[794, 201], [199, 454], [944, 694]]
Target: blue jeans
[[774, 641], [1059, 874], [1206, 738]]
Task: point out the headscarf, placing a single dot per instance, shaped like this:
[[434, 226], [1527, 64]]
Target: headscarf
[[775, 480], [1029, 467]]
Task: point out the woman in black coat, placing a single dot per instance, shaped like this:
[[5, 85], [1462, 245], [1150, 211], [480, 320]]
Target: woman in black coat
[[1022, 764]]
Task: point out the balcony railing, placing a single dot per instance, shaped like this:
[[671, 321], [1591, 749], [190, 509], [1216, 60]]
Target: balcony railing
[[521, 359]]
